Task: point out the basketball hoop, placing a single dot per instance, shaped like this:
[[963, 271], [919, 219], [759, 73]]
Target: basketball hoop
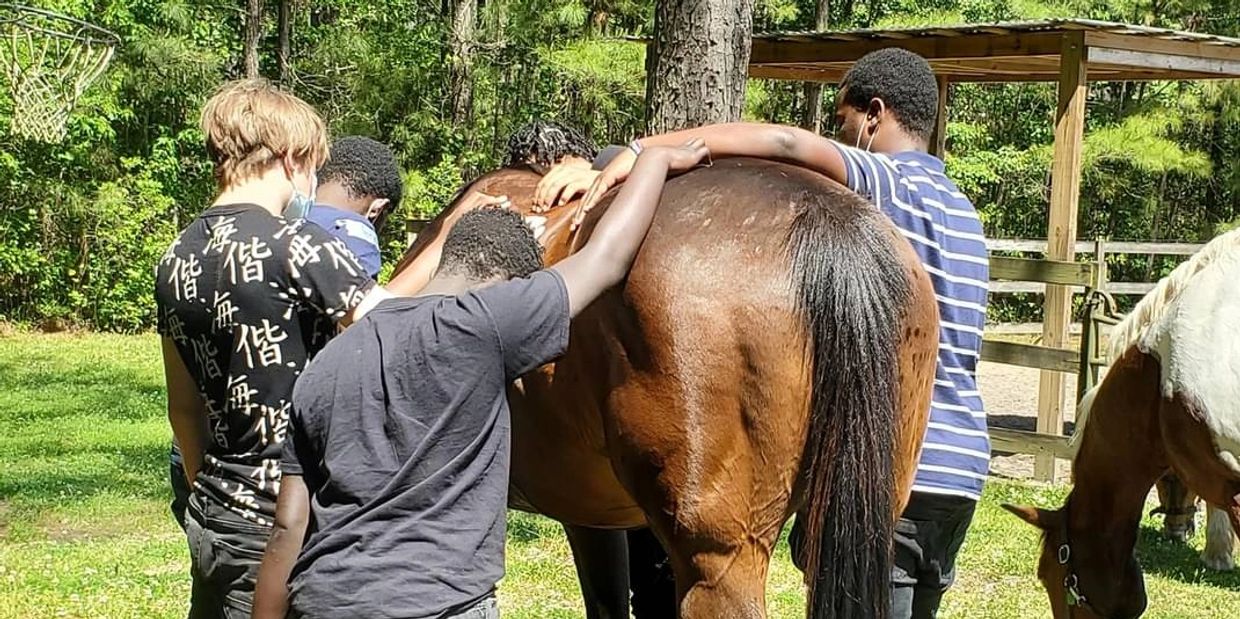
[[49, 60]]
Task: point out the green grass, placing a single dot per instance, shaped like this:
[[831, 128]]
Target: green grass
[[85, 531]]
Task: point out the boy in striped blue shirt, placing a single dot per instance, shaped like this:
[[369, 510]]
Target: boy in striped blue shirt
[[886, 112]]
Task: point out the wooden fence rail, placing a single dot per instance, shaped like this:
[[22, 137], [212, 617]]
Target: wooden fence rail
[[1099, 250], [1025, 275]]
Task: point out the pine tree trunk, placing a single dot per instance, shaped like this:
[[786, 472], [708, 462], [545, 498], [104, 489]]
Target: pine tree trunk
[[461, 50], [253, 31], [286, 40], [811, 113], [698, 63]]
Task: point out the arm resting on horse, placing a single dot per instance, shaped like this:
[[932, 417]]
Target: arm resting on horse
[[292, 516], [796, 146], [186, 412], [606, 258], [763, 141]]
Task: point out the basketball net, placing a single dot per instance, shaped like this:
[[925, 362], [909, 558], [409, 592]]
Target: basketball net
[[49, 60]]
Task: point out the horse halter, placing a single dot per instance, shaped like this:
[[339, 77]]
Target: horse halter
[[1191, 510], [1072, 584]]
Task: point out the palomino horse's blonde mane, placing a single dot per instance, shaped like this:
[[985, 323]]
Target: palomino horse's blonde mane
[[1150, 308]]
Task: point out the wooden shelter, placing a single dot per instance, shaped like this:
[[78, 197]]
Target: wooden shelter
[[1070, 52]]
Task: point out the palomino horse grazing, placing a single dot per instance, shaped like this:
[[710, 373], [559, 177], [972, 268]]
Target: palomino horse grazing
[[772, 350], [1170, 401]]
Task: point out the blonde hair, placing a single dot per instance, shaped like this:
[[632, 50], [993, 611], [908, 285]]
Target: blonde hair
[[250, 124]]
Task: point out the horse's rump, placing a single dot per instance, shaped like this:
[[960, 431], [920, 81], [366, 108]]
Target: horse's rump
[[766, 304], [704, 331]]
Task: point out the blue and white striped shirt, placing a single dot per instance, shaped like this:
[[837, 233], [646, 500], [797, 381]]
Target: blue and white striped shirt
[[944, 229]]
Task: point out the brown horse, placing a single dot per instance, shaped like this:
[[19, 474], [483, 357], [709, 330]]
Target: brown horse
[[1170, 402], [772, 350]]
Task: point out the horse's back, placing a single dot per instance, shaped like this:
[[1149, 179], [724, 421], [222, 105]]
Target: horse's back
[[719, 244]]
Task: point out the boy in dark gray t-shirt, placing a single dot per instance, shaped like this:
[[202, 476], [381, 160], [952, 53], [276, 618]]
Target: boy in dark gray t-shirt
[[396, 462]]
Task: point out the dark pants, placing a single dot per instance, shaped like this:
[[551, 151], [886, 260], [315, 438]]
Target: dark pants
[[927, 538], [225, 551], [180, 491], [650, 577]]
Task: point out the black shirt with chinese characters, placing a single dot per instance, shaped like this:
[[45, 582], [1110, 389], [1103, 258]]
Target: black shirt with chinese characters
[[249, 298]]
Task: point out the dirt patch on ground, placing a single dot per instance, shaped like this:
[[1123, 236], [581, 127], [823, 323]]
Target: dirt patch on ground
[[1010, 394]]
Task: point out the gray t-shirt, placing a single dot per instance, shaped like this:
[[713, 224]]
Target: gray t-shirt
[[401, 431]]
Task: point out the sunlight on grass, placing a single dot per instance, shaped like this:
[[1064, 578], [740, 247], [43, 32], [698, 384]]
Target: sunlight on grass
[[85, 529]]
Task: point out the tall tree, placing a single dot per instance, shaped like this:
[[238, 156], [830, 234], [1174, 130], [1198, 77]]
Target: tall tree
[[811, 114], [253, 32], [461, 48], [698, 63], [285, 27]]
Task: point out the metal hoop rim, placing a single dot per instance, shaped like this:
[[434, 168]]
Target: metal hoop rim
[[103, 35]]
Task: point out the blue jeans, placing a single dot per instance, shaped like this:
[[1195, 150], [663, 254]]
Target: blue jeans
[[486, 608]]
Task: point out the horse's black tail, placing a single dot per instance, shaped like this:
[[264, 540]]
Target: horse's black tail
[[852, 291]]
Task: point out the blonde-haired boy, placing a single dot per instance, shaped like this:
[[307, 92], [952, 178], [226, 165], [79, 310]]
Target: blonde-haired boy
[[245, 295]]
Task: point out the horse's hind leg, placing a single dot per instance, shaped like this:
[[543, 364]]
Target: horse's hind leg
[[602, 563], [1219, 553], [715, 480], [724, 583], [719, 543]]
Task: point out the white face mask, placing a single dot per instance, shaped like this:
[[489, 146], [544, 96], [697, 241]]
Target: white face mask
[[299, 204], [867, 144]]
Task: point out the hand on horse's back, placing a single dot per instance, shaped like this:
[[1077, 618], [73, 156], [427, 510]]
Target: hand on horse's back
[[562, 183], [612, 175], [680, 159]]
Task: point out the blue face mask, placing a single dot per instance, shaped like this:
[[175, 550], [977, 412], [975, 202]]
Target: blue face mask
[[299, 204]]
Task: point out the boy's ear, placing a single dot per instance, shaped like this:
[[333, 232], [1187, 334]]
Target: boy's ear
[[375, 208], [874, 113], [290, 168]]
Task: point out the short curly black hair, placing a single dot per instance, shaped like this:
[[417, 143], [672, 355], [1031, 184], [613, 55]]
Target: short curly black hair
[[546, 142], [491, 243], [905, 83], [366, 168]]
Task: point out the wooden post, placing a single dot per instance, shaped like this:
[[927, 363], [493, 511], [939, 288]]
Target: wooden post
[[1061, 231], [938, 142]]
